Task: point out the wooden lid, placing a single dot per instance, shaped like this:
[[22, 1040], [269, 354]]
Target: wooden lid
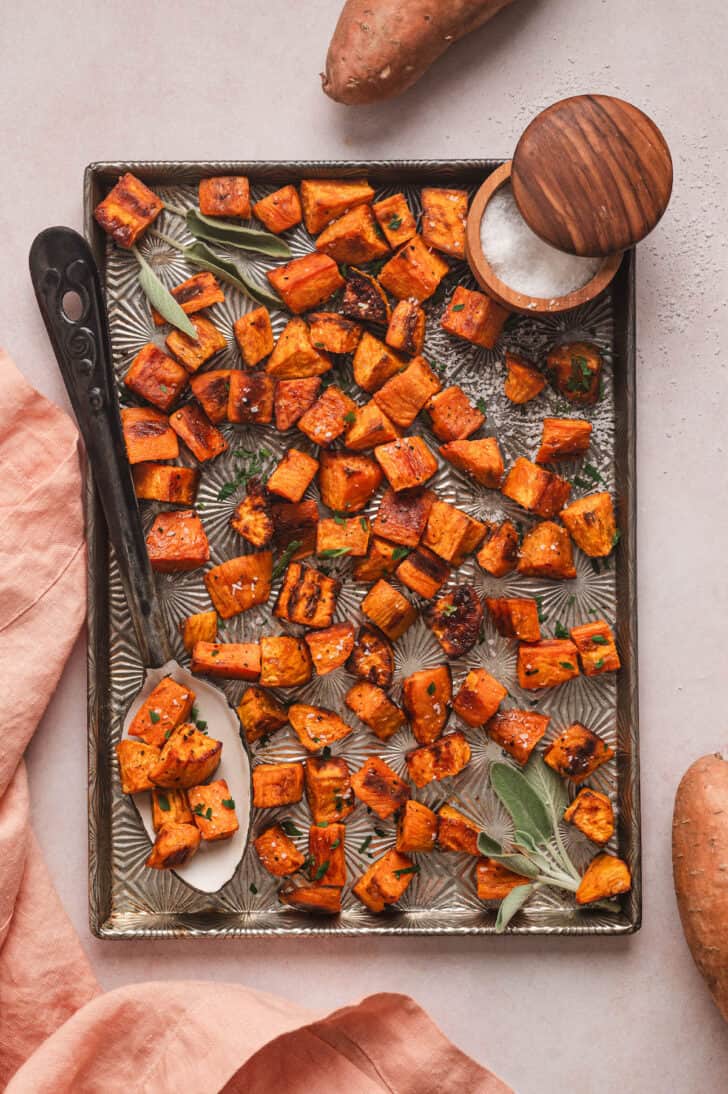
[[592, 175]]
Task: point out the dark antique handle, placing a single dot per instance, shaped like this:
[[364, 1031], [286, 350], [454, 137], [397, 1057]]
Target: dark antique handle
[[61, 263]]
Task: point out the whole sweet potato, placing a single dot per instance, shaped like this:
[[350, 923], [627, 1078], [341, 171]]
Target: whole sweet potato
[[382, 47], [700, 869]]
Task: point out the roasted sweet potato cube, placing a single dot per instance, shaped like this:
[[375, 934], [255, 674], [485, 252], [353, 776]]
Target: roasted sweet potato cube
[[128, 210], [177, 541], [547, 664], [294, 356], [406, 330], [480, 460], [252, 518], [456, 832], [277, 784], [170, 807], [304, 283], [294, 474], [370, 427], [416, 828], [540, 491], [406, 462], [328, 417], [452, 415], [200, 627], [385, 881], [423, 572], [439, 760], [160, 482], [374, 363], [402, 516], [156, 377], [364, 299], [192, 426], [515, 617], [347, 480], [225, 196], [251, 397], [213, 810], [499, 553], [405, 394], [324, 200], [254, 336], [494, 881], [592, 813], [317, 727], [372, 658], [354, 238], [328, 789], [148, 435], [518, 732], [227, 660], [193, 352], [382, 558], [342, 536], [189, 757], [307, 597], [455, 620], [575, 371], [444, 213], [414, 271], [260, 714], [334, 333], [563, 437], [202, 290], [451, 533], [523, 381], [317, 899], [375, 709], [280, 210], [331, 647], [388, 610], [479, 697], [296, 523], [293, 398], [327, 854], [596, 646], [284, 662], [240, 583], [591, 524], [577, 752], [395, 219], [136, 761], [166, 707], [380, 788], [212, 390], [546, 552], [427, 696], [474, 317], [606, 876], [174, 846], [278, 853]]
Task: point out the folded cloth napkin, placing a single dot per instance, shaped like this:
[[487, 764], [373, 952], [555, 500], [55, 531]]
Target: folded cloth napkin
[[58, 1032]]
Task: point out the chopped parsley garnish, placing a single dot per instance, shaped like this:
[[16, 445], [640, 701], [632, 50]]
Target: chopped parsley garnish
[[364, 524], [290, 828], [395, 223], [338, 519], [200, 811], [406, 870], [338, 803], [326, 753], [379, 832], [400, 552], [365, 844], [616, 538], [480, 404], [154, 716], [566, 664], [531, 672], [167, 734], [229, 803], [163, 802], [560, 631], [321, 870], [334, 552], [598, 664], [599, 640], [448, 610], [350, 417], [539, 605], [457, 307], [335, 844], [286, 557], [431, 689], [253, 888]]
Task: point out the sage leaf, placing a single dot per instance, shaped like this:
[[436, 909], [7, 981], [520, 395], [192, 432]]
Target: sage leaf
[[547, 785], [161, 298], [198, 254], [519, 864], [488, 846], [512, 904], [528, 811], [235, 235]]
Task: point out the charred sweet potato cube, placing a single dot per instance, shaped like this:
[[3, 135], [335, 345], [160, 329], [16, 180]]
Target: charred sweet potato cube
[[395, 219], [213, 810], [452, 414], [156, 377], [192, 426], [354, 238], [406, 462], [380, 788], [439, 760], [385, 881], [532, 487], [189, 757], [202, 290], [170, 807], [575, 371], [546, 552], [307, 597], [280, 210], [284, 662], [606, 876], [128, 210], [474, 317], [317, 899], [416, 828], [342, 536], [402, 516], [523, 381], [251, 397], [277, 784], [240, 583], [174, 846], [591, 524], [444, 213], [294, 474], [562, 437], [391, 612], [136, 760], [451, 533], [494, 881], [333, 333], [515, 617], [403, 396], [592, 813], [260, 714], [480, 460], [227, 660], [547, 664], [254, 336], [295, 523], [328, 417], [160, 482], [278, 853], [212, 390], [317, 727], [382, 558], [193, 352], [225, 196], [347, 480], [427, 696], [374, 364], [294, 356], [455, 620], [479, 697], [177, 541], [423, 572], [499, 553], [166, 707], [518, 732], [596, 646], [375, 709], [331, 647], [253, 519], [326, 854], [456, 832], [369, 428], [414, 271], [148, 435], [324, 200], [200, 627], [304, 283], [364, 299], [406, 330], [372, 658], [293, 398], [328, 789]]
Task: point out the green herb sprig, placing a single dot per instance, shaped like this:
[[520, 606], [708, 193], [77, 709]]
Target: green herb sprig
[[161, 298]]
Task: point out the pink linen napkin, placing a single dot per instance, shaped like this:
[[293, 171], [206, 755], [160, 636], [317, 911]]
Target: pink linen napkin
[[58, 1032]]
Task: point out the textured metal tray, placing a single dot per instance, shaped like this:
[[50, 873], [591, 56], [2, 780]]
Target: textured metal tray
[[126, 899]]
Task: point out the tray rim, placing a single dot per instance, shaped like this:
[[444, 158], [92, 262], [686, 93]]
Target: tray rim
[[101, 919]]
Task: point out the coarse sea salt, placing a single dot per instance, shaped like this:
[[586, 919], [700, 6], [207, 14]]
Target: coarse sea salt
[[522, 260]]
